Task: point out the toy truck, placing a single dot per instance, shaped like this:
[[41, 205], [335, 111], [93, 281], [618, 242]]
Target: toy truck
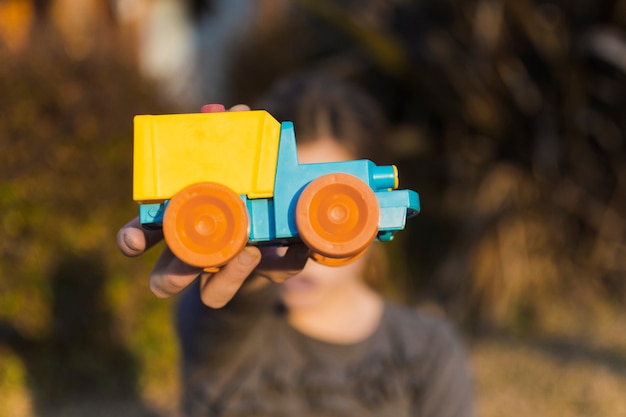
[[218, 181]]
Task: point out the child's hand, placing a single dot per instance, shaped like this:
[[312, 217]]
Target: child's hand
[[170, 275]]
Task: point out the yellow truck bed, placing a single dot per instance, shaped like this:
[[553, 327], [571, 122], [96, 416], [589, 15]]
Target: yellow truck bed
[[237, 149]]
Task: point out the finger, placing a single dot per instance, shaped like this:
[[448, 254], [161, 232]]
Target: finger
[[240, 107], [170, 275], [219, 288], [133, 239], [278, 266]]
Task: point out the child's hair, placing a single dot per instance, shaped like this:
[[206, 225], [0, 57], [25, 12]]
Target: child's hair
[[322, 105]]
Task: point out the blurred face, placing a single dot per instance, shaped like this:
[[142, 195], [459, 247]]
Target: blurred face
[[323, 149], [317, 284]]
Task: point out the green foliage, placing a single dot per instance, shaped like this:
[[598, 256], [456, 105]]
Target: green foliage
[[70, 303]]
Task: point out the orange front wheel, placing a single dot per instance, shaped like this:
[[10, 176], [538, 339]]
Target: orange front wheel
[[206, 225], [337, 218]]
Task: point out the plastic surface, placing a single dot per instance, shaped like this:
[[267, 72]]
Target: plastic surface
[[325, 260], [292, 177], [336, 208], [206, 225], [337, 216], [237, 149]]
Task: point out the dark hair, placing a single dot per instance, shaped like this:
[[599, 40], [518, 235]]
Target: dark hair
[[320, 104]]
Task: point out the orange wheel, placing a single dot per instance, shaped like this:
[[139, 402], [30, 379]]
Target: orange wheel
[[324, 260], [206, 225], [337, 218]]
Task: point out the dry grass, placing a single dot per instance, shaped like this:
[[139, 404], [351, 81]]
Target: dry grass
[[525, 380], [574, 364]]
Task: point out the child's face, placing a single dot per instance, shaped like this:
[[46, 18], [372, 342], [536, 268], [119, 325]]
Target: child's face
[[318, 283], [323, 149]]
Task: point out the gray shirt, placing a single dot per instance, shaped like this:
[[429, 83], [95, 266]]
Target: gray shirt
[[246, 360]]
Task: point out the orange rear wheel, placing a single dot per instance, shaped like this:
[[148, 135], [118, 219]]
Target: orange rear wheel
[[324, 260], [337, 218], [206, 225]]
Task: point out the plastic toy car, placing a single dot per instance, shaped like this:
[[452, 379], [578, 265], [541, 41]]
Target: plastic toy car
[[218, 181]]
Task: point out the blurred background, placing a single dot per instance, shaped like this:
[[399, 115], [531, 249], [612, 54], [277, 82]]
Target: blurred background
[[507, 116]]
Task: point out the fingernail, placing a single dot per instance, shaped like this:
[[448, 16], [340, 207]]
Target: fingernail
[[129, 242], [247, 257]]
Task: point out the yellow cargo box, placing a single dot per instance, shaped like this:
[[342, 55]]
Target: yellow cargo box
[[237, 149]]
